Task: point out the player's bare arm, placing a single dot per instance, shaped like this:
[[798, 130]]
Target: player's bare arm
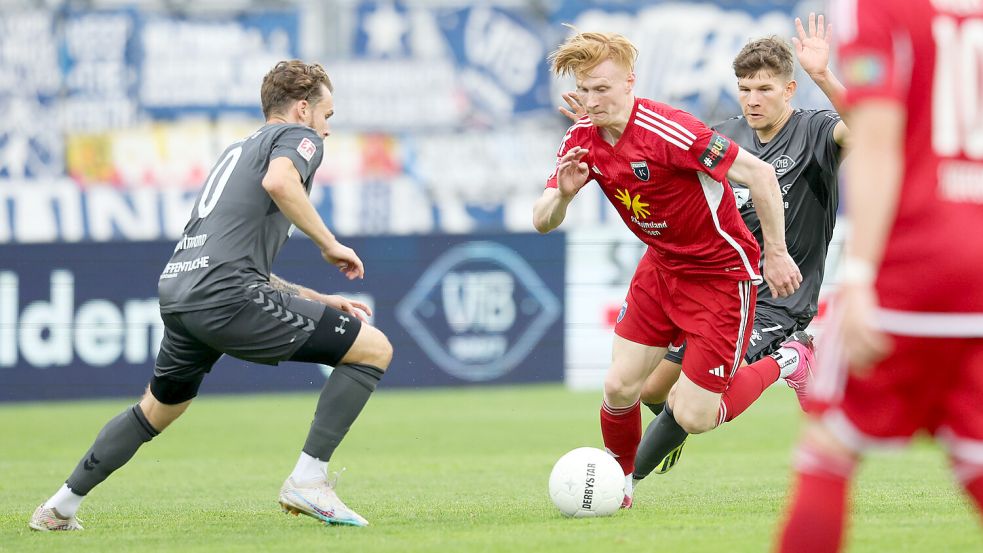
[[340, 303], [571, 175], [812, 51], [282, 182], [878, 163], [780, 272]]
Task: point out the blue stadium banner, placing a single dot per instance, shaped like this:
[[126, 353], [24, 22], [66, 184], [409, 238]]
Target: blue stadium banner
[[211, 67], [82, 320], [484, 64], [685, 49]]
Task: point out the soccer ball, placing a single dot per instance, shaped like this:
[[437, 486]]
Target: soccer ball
[[587, 482]]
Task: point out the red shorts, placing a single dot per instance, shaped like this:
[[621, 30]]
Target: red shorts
[[713, 316], [931, 384]]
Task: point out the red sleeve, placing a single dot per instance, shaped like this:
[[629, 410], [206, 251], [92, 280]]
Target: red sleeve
[[709, 152], [874, 50], [577, 135]]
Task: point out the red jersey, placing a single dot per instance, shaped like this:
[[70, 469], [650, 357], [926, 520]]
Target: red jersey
[[926, 56], [666, 178]]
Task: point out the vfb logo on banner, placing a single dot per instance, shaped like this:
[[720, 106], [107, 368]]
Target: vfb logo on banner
[[478, 310]]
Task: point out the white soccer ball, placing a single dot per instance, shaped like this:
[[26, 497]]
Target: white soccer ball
[[587, 482]]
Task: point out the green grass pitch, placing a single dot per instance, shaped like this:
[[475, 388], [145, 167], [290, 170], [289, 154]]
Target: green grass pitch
[[445, 470]]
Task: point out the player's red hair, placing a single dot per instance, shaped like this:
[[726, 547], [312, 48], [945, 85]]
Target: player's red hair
[[582, 52]]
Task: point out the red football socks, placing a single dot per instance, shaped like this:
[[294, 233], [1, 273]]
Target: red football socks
[[816, 516], [621, 429], [746, 387]]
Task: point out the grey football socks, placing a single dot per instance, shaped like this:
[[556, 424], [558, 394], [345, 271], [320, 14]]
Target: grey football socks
[[116, 443], [662, 436], [342, 399]]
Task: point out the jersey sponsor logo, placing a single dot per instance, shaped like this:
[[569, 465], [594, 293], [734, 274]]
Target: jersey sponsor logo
[[782, 164], [635, 205], [741, 196], [641, 170], [716, 151], [172, 270], [650, 228], [717, 371], [189, 242], [624, 309], [306, 148]]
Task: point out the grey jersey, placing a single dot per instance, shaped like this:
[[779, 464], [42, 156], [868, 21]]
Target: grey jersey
[[806, 160], [235, 229]]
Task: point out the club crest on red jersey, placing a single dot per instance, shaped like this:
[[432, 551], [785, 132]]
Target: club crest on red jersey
[[641, 170]]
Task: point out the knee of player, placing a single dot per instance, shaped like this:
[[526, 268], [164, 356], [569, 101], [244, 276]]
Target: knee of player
[[384, 351], [619, 390], [372, 348], [164, 401], [693, 421], [654, 392]]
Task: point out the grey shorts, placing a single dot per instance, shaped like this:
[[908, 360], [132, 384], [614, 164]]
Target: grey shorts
[[267, 326], [772, 326]]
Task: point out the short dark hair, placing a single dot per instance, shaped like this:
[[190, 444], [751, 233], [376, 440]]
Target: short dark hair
[[290, 81], [771, 54]]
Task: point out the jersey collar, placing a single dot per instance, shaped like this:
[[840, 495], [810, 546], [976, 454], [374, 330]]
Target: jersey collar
[[623, 139]]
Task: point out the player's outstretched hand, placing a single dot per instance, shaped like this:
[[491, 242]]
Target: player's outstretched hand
[[572, 171], [782, 275], [576, 109], [812, 50], [345, 259], [352, 307]]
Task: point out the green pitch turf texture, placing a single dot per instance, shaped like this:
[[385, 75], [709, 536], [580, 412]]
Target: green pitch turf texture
[[448, 470]]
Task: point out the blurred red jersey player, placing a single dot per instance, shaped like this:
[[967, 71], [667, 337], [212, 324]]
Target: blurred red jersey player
[[905, 353]]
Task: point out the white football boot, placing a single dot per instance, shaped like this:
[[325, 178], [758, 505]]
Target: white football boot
[[318, 500], [47, 520]]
